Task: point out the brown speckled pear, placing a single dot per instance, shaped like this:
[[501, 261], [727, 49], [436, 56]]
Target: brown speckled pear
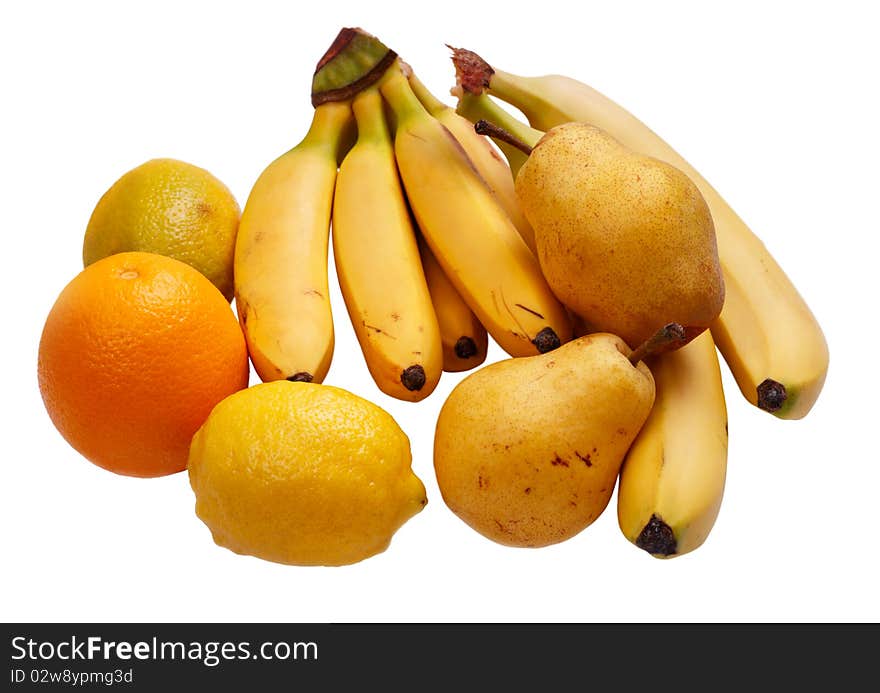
[[527, 450], [625, 241]]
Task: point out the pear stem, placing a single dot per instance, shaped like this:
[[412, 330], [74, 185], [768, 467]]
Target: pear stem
[[484, 127], [666, 335]]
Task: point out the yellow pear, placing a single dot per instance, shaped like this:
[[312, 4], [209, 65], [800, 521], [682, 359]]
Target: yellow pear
[[626, 241], [527, 450]]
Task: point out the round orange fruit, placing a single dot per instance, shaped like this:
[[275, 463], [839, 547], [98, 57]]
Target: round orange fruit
[[135, 352]]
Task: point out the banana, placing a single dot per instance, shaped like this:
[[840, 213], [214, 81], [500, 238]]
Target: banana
[[468, 231], [489, 163], [766, 333], [465, 341], [378, 263], [281, 255], [672, 479]]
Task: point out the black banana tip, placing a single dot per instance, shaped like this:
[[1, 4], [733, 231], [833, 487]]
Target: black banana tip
[[657, 538], [771, 395], [413, 378], [465, 348], [546, 340]]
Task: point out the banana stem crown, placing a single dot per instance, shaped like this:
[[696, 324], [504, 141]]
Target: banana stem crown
[[354, 61]]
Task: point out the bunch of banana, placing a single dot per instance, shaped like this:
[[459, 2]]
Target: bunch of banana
[[431, 250], [766, 333], [672, 481]]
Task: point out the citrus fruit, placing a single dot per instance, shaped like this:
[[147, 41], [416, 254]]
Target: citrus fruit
[[303, 474], [134, 353], [172, 208]]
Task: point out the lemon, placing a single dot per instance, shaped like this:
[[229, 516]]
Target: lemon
[[171, 208], [303, 474]]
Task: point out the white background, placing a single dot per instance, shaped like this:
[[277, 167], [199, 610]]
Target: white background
[[774, 102]]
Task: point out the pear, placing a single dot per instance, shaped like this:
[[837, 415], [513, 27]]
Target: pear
[[625, 241], [527, 450]]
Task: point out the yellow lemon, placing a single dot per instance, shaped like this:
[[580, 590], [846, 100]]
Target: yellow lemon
[[303, 474], [171, 208]]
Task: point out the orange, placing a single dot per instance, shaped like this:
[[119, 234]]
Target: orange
[[135, 352]]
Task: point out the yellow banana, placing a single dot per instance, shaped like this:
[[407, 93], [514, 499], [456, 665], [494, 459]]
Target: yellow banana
[[672, 479], [281, 255], [378, 263], [468, 231], [465, 341], [489, 163], [766, 333]]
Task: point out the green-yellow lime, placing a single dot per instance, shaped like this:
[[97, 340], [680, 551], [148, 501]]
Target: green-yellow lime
[[303, 474], [172, 208]]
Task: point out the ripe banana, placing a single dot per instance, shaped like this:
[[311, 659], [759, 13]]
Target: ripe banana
[[281, 255], [489, 163], [468, 231], [672, 479], [465, 341], [378, 263], [766, 333]]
